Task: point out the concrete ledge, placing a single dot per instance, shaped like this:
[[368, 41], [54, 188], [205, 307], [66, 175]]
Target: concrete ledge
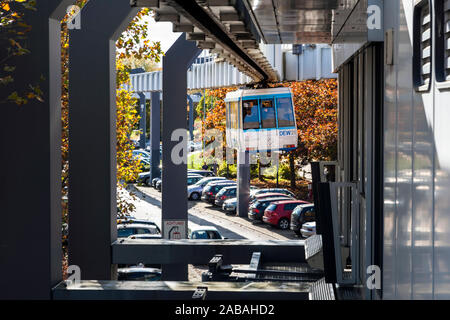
[[201, 251], [168, 290]]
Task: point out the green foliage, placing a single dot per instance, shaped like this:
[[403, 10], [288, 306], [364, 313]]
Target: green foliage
[[284, 172]]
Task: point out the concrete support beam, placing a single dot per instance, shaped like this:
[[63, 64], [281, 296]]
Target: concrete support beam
[[144, 3], [143, 120], [167, 17], [176, 62], [229, 16], [206, 44], [183, 28], [30, 250], [201, 251], [238, 28], [92, 135], [155, 134], [199, 36], [170, 290], [243, 187]]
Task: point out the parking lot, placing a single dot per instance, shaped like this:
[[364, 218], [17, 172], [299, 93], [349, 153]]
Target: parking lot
[[148, 206]]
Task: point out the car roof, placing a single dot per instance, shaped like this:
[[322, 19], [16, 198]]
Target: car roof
[[292, 201], [194, 175], [274, 199], [215, 183], [306, 205], [204, 228], [135, 225], [269, 194], [138, 269], [229, 187]]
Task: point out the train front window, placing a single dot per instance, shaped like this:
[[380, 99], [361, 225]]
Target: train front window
[[268, 114], [285, 114], [250, 114]]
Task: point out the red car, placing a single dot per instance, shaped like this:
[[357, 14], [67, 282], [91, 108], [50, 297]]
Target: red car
[[279, 213]]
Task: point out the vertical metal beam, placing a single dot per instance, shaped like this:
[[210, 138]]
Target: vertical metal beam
[[39, 236], [174, 200], [143, 120], [243, 187], [155, 134], [92, 136], [191, 117]]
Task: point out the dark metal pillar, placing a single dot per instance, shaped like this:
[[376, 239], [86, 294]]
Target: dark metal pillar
[[155, 134], [243, 187], [92, 136], [174, 199], [30, 137], [191, 117], [143, 120]]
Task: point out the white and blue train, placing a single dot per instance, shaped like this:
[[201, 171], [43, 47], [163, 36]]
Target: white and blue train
[[261, 120]]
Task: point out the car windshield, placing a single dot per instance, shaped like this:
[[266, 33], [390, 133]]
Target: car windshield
[[272, 207], [125, 232]]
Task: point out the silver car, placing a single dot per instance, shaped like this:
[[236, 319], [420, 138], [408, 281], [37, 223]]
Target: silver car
[[194, 192], [230, 205]]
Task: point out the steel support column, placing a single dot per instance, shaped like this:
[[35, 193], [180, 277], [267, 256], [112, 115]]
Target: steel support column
[[176, 62], [155, 134], [38, 125], [143, 120], [243, 187], [92, 136]]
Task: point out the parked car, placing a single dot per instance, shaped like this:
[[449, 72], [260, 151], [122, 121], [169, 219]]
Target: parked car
[[191, 179], [125, 230], [144, 178], [205, 233], [205, 173], [302, 214], [279, 213], [145, 165], [254, 193], [139, 273], [229, 206], [159, 185], [263, 196], [257, 208], [225, 194], [211, 189], [155, 181], [141, 154], [132, 220], [308, 229], [145, 236], [195, 190]]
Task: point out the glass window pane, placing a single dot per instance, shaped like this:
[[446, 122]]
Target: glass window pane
[[250, 114], [268, 114], [285, 114]]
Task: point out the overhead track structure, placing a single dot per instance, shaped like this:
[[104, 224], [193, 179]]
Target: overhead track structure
[[222, 26]]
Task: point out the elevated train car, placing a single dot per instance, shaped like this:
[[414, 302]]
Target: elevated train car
[[261, 120]]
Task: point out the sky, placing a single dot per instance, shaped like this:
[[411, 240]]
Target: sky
[[162, 31]]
